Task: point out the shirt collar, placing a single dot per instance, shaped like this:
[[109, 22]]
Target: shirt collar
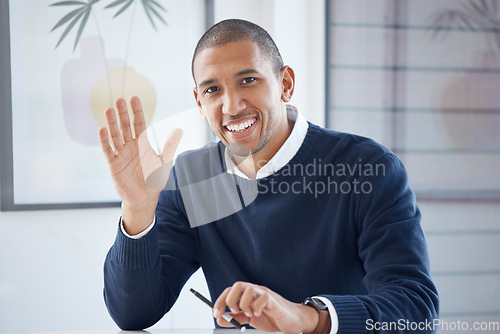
[[284, 154]]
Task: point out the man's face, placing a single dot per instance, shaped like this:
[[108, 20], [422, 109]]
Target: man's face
[[241, 97]]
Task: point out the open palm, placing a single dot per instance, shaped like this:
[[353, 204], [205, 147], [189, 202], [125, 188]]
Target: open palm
[[137, 171]]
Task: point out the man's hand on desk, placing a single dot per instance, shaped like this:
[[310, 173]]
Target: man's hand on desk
[[264, 309]]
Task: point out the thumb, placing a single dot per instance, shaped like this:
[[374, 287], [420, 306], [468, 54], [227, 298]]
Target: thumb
[[170, 146], [156, 174]]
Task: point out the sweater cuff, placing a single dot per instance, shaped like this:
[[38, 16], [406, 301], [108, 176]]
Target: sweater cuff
[[351, 313], [136, 253], [139, 235]]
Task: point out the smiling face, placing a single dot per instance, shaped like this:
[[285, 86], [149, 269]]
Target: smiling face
[[243, 99]]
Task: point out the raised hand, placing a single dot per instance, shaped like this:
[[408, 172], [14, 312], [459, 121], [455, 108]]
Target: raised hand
[[138, 173]]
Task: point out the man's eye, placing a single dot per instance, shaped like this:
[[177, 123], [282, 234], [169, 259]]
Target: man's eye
[[248, 80], [211, 89]]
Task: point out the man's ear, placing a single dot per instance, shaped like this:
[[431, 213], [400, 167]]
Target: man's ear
[[287, 77], [200, 109]]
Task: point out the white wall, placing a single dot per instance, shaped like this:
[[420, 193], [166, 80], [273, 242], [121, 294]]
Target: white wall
[[51, 269], [51, 273], [463, 242]]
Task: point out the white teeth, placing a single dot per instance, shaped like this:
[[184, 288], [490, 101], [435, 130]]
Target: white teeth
[[240, 127]]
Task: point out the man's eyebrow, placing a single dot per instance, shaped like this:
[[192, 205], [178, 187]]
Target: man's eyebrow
[[207, 82], [240, 73], [247, 71]]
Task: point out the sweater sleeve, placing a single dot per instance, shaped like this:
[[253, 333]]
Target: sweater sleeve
[[393, 250], [143, 277]]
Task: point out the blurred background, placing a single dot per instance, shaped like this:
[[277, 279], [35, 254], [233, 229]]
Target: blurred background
[[420, 77]]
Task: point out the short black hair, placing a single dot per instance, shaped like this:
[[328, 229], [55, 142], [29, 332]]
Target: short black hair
[[236, 30]]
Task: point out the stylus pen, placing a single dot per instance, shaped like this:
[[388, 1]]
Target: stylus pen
[[225, 316]]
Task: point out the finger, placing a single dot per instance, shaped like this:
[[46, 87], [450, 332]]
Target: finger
[[105, 145], [260, 303], [240, 318], [114, 130], [121, 106], [171, 144], [246, 301], [224, 323], [138, 116], [220, 304], [234, 296]]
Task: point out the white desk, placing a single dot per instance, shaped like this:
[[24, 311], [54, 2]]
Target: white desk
[[165, 331]]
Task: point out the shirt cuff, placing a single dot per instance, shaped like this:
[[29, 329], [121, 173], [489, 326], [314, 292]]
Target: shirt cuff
[[140, 235], [333, 314]]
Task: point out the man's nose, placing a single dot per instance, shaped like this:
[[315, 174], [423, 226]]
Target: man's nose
[[233, 103]]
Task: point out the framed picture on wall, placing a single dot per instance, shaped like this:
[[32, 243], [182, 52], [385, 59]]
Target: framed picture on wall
[[63, 64]]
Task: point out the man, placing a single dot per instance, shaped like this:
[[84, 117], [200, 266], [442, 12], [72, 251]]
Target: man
[[333, 220]]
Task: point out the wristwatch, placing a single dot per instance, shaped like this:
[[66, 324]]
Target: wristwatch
[[315, 303]]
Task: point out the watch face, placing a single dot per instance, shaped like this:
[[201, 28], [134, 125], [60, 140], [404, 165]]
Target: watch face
[[316, 303]]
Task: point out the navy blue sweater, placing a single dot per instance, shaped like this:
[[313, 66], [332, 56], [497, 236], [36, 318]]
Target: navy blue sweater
[[340, 221]]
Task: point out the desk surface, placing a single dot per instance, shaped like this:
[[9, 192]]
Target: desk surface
[[165, 331]]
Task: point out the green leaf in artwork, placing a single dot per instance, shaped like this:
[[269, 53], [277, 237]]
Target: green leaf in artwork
[[72, 18], [157, 15], [67, 17], [146, 9], [69, 27], [157, 5], [82, 26], [149, 9], [68, 3], [84, 9], [116, 3], [125, 6]]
